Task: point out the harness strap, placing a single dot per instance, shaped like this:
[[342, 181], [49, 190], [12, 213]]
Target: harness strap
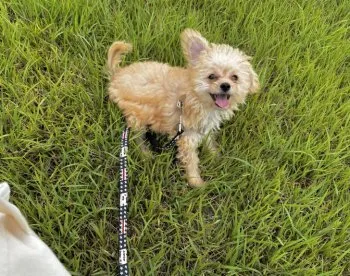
[[180, 130], [123, 205]]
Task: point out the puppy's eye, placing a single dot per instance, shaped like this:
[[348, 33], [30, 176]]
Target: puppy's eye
[[212, 77], [234, 77]]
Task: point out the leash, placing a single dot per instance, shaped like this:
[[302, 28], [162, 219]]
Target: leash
[[123, 205], [123, 192]]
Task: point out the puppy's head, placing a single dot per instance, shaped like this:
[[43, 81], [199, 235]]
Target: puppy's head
[[222, 76]]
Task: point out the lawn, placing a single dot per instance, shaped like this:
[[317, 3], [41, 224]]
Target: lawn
[[278, 198]]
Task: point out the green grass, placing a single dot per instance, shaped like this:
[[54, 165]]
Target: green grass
[[277, 200]]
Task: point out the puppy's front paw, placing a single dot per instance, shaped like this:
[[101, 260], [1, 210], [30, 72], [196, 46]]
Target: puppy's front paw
[[196, 182]]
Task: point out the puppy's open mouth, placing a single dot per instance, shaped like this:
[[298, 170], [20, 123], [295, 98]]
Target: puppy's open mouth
[[221, 100]]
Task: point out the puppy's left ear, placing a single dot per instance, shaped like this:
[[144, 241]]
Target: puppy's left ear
[[254, 82], [193, 44]]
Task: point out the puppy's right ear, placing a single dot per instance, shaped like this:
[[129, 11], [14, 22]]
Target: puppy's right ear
[[193, 44]]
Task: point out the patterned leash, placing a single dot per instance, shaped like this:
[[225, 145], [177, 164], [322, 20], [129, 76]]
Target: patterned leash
[[123, 205], [123, 192]]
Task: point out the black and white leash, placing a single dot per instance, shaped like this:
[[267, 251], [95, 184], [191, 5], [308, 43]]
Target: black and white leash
[[123, 192], [123, 205]]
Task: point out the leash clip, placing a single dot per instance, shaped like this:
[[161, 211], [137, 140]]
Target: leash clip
[[180, 126], [179, 104]]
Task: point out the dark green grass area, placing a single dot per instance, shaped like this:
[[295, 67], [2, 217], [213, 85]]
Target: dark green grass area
[[278, 198]]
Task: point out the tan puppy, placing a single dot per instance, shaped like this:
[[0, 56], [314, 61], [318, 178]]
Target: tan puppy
[[216, 80]]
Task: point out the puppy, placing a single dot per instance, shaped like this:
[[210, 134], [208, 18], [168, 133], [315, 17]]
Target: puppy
[[216, 80]]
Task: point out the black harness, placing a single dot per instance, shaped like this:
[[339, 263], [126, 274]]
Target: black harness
[[172, 142]]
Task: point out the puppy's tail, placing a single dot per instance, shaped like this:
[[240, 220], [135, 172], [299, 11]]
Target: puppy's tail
[[115, 53]]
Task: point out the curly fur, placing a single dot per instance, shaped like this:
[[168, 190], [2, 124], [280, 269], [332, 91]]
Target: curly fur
[[147, 92]]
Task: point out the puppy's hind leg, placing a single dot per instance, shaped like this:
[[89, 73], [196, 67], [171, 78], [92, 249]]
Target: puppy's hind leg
[[141, 142], [139, 133]]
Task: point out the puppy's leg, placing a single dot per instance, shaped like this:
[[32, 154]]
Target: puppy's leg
[[141, 141], [187, 154], [140, 131], [211, 144]]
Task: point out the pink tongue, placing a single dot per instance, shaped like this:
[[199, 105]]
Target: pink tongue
[[221, 101]]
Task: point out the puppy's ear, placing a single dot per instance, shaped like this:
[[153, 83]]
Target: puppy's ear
[[254, 82], [193, 44], [253, 77]]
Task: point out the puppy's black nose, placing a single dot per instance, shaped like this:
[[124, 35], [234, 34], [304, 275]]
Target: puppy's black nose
[[225, 86]]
